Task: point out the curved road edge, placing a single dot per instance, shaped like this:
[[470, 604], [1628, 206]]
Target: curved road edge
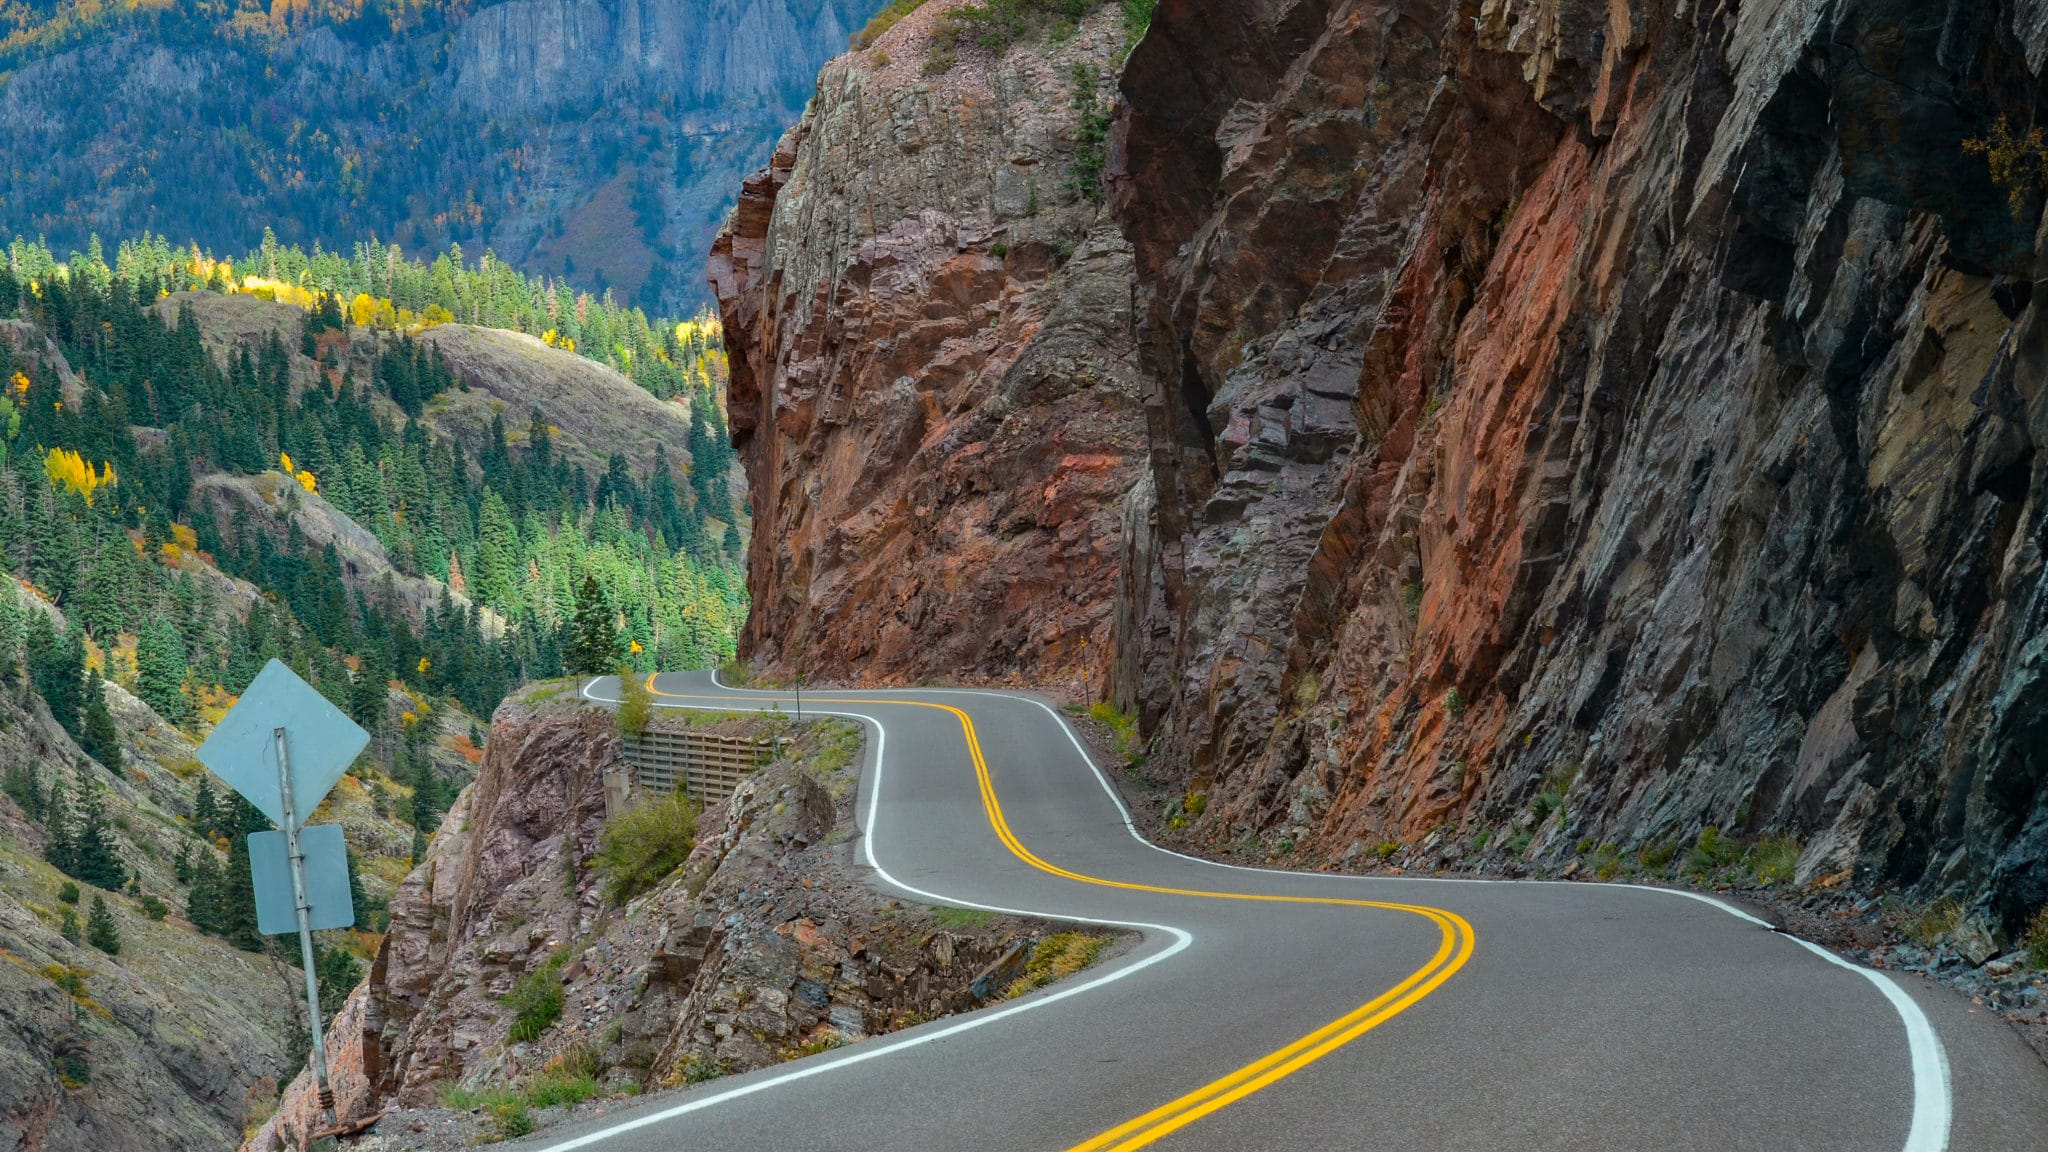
[[1932, 1105]]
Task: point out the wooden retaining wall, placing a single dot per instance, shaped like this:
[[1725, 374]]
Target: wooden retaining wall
[[705, 764]]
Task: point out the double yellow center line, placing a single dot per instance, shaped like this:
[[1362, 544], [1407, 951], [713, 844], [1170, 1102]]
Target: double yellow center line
[[1453, 950]]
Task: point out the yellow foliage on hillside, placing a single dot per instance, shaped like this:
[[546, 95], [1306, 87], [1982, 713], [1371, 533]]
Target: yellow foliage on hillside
[[65, 467], [279, 290]]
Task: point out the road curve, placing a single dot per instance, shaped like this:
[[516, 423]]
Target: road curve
[[1265, 1009]]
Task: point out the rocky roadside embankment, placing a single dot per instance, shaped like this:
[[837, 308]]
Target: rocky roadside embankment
[[766, 944]]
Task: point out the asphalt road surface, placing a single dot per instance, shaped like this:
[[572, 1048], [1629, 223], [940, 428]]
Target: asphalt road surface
[[1271, 1010]]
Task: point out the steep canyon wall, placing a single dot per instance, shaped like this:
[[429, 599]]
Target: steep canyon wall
[[1632, 402], [934, 380]]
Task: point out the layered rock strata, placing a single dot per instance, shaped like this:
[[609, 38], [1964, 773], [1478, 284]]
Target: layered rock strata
[[1632, 403], [933, 380], [1593, 420]]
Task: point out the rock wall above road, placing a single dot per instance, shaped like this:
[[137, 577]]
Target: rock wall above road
[[934, 389], [1558, 421], [1632, 403]]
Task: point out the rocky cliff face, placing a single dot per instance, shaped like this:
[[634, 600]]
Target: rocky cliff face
[[933, 381], [175, 1041], [1633, 404], [1639, 400], [765, 944], [597, 139]]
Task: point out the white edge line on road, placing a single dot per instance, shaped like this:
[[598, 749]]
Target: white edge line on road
[[1933, 1095], [877, 1049]]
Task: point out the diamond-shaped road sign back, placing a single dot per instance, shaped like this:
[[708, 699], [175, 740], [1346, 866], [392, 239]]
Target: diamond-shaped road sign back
[[321, 740], [277, 911]]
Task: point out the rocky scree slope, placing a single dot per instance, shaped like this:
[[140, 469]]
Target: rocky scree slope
[[179, 1040], [169, 1045], [1567, 423], [767, 943], [933, 383]]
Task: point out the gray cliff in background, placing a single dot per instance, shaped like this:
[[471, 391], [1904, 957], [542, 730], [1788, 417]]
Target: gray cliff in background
[[597, 139]]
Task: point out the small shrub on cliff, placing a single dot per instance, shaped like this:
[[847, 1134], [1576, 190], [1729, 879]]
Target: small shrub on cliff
[[997, 24], [1091, 136], [536, 1000], [1927, 926], [1712, 852], [2018, 161], [2036, 940], [1138, 17], [1773, 860], [643, 844], [1123, 731], [1657, 855], [551, 1086], [636, 704], [891, 15]]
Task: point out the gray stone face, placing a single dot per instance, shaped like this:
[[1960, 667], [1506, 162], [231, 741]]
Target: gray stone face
[[1590, 397], [603, 139]]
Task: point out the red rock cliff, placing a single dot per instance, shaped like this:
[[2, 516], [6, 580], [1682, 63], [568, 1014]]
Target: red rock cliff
[[1634, 404], [1568, 421], [934, 390]]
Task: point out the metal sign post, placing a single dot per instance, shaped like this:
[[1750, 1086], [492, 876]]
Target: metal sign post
[[299, 873], [318, 1056]]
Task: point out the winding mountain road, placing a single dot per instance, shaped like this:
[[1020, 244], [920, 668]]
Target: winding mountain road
[[1274, 1010]]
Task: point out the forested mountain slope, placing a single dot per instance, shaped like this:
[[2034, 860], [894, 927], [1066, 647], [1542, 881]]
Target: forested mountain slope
[[600, 139], [193, 482]]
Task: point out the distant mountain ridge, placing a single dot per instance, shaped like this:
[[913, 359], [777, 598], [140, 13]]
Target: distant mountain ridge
[[598, 139]]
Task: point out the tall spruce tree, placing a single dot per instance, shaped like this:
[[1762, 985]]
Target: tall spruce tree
[[23, 784], [98, 734], [160, 669], [95, 857], [13, 627], [594, 644], [100, 929], [206, 809], [60, 848], [237, 912], [56, 666]]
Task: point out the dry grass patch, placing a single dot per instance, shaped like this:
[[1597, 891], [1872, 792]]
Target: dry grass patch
[[1057, 957]]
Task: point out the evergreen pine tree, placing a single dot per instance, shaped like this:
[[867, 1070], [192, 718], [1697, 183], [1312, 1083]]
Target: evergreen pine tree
[[356, 899], [100, 930], [160, 670], [594, 643], [202, 903], [237, 908], [95, 858], [61, 849], [419, 846], [100, 738], [429, 797], [206, 809], [69, 928], [56, 666], [339, 974], [13, 624], [24, 785]]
